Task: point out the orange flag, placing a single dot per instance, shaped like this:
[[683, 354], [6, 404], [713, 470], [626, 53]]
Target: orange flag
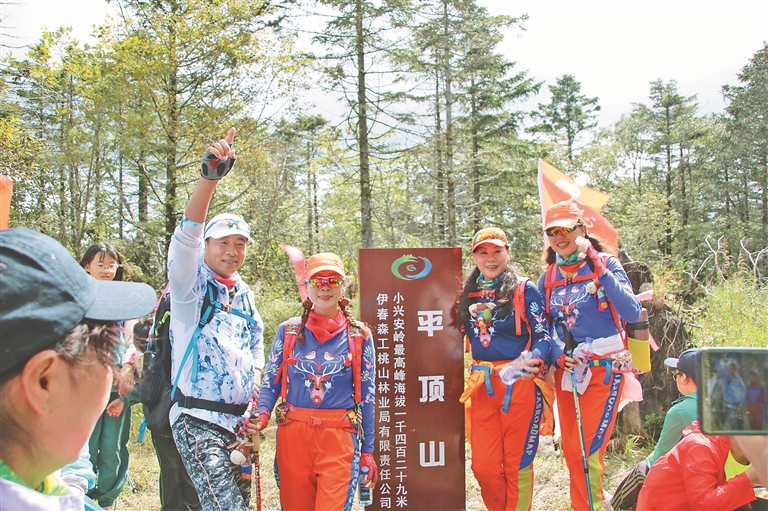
[[296, 256], [6, 189], [554, 186]]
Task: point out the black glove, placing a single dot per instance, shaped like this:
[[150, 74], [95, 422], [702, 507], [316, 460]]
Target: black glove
[[213, 168]]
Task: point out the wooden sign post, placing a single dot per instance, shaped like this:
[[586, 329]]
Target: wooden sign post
[[406, 296]]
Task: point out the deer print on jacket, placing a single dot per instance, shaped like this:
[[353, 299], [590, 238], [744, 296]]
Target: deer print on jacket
[[318, 370]]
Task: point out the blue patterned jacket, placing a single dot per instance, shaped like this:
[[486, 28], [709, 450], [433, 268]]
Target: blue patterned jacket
[[229, 348]]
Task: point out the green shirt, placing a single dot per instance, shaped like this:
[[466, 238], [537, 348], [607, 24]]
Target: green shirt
[[679, 417]]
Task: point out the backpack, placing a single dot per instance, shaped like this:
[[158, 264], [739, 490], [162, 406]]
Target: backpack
[[355, 339], [157, 393], [550, 282]]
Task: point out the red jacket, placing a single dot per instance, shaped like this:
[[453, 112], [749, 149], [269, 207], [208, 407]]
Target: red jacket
[[692, 476]]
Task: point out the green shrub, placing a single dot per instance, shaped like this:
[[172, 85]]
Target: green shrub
[[653, 423], [274, 310], [735, 313]]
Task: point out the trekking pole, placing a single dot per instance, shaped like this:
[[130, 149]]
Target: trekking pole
[[131, 483], [570, 346], [256, 462]]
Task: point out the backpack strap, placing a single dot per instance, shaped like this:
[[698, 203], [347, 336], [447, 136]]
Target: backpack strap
[[549, 279], [603, 301], [290, 333], [518, 300], [207, 404], [550, 282], [356, 339], [246, 313], [620, 323], [248, 306], [206, 314]]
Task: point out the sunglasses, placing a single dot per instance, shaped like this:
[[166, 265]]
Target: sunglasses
[[325, 281], [490, 233], [554, 231]]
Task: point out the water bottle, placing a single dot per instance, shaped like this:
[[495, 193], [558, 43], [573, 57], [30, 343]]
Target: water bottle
[[585, 354], [515, 369], [365, 494]]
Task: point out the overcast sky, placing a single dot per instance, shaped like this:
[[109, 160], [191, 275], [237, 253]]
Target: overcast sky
[[613, 47]]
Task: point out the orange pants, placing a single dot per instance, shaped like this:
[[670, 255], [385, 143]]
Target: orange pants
[[598, 415], [505, 443], [316, 467]]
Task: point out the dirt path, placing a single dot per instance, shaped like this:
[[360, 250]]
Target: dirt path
[[550, 479]]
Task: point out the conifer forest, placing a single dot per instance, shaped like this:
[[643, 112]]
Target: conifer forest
[[103, 143]]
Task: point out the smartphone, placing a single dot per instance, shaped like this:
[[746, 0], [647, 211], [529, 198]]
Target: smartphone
[[733, 391]]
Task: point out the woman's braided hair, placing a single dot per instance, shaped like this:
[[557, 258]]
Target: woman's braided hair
[[307, 305], [344, 306]]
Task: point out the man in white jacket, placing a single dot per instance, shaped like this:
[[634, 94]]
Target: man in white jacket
[[218, 365]]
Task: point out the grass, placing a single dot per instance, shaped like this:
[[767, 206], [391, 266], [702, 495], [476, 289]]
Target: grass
[[550, 482]]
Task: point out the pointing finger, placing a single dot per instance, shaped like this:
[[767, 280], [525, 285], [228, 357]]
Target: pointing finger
[[216, 150], [226, 150]]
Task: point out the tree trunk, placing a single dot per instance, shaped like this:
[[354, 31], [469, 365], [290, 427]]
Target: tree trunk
[[683, 191], [120, 212], [310, 200], [450, 179], [475, 165], [764, 197], [438, 210], [143, 198], [141, 256], [632, 423], [316, 213], [366, 224], [171, 131], [668, 180], [659, 390]]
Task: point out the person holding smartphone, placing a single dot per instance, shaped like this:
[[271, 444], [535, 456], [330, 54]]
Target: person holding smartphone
[[692, 476], [678, 417]]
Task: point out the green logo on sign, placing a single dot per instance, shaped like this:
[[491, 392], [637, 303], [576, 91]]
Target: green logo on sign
[[416, 267]]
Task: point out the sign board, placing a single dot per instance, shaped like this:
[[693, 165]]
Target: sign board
[[406, 296]]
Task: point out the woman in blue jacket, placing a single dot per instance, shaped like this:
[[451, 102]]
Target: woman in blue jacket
[[322, 369], [502, 315], [590, 292]]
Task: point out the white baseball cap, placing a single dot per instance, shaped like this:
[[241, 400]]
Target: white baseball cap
[[226, 224]]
